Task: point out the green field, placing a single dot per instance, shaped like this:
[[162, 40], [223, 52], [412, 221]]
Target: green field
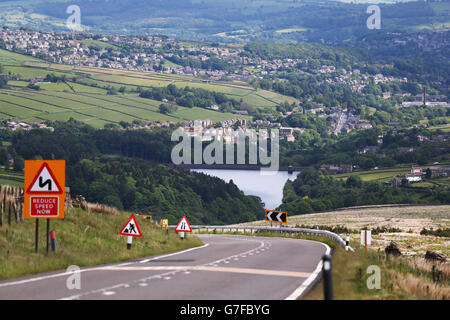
[[133, 79], [83, 96], [11, 58], [94, 109], [375, 175], [11, 178], [442, 127]]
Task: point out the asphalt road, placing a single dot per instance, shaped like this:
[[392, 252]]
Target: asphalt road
[[225, 267]]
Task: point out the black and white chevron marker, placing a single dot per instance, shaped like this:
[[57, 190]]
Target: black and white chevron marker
[[276, 216]]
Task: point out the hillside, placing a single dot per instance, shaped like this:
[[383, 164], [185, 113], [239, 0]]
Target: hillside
[[231, 21], [129, 170], [99, 96]]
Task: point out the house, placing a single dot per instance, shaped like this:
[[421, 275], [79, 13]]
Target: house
[[442, 172], [405, 149], [413, 178], [369, 149], [286, 131], [335, 169], [396, 182]]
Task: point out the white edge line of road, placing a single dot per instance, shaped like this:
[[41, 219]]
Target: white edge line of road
[[12, 283], [299, 291]]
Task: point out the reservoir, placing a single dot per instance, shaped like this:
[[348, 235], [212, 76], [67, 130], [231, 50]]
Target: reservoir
[[268, 187]]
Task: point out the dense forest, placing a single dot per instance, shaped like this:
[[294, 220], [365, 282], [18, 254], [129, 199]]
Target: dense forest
[[312, 149], [131, 170], [313, 191], [127, 170], [74, 141]]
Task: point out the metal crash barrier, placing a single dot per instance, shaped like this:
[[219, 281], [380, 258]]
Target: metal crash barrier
[[255, 229]]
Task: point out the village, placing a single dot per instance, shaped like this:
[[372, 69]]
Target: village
[[157, 53]]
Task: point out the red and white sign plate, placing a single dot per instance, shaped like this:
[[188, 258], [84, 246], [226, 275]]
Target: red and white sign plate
[[131, 228], [183, 225]]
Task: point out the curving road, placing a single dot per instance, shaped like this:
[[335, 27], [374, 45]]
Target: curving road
[[225, 267]]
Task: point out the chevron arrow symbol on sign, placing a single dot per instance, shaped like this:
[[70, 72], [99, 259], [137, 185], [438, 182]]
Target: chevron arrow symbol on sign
[[276, 216]]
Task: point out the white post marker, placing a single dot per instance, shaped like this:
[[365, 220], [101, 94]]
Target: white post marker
[[183, 226], [129, 242], [366, 239], [347, 241]]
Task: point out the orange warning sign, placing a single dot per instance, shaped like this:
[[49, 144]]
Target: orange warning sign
[[44, 189]]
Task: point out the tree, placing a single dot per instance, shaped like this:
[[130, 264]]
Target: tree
[[3, 156], [428, 173], [19, 163], [166, 108], [354, 181]]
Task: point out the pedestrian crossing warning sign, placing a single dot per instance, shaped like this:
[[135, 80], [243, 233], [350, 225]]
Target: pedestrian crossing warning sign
[[183, 225], [131, 228], [44, 189]]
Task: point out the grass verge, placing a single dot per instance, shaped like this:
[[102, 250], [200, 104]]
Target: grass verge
[[402, 278], [83, 239]]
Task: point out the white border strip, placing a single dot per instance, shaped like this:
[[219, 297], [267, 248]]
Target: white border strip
[[299, 291]]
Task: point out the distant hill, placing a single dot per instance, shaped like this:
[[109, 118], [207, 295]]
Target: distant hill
[[232, 21]]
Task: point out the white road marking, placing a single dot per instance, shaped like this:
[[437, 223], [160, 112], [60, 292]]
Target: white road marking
[[121, 285], [284, 273], [61, 274], [212, 266], [299, 291], [173, 254]]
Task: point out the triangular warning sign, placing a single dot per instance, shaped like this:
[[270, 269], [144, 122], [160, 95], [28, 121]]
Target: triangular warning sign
[[44, 182], [131, 228], [183, 225]]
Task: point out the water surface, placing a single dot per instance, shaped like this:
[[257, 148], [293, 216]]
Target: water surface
[[268, 187]]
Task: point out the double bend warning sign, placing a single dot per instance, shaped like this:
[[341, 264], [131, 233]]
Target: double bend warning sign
[[44, 189]]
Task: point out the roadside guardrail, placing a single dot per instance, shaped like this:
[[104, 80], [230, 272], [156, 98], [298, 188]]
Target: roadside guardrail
[[294, 231]]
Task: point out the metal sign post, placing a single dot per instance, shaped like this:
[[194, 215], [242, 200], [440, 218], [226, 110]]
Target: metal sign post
[[47, 235], [36, 245]]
